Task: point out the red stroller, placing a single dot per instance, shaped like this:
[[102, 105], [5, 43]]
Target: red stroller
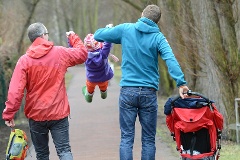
[[195, 125]]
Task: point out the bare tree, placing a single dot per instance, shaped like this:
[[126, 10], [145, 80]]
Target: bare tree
[[31, 5], [204, 36]]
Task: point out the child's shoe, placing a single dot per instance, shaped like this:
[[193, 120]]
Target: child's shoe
[[104, 94], [88, 96]]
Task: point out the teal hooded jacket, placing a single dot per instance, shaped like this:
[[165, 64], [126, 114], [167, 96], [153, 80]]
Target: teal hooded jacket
[[142, 43]]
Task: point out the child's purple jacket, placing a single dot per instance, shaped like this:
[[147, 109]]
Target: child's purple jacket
[[97, 67]]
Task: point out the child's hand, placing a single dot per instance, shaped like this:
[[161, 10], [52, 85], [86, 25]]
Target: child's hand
[[109, 26], [68, 41], [68, 33], [114, 58]]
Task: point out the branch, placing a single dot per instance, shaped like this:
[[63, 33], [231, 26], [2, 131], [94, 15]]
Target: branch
[[133, 5], [32, 6]]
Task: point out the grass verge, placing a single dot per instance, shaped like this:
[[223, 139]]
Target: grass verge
[[162, 130]]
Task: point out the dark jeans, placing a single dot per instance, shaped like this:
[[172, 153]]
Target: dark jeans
[[60, 134], [141, 102]]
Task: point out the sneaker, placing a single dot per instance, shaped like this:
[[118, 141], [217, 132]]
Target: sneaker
[[88, 96], [104, 94]]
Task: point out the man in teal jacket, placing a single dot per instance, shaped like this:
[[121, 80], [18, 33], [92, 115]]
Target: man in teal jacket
[[142, 43]]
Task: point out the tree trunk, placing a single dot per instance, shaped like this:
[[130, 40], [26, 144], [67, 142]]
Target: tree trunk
[[31, 6], [204, 36]]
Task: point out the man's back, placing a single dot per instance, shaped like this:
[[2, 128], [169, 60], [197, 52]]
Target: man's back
[[140, 45]]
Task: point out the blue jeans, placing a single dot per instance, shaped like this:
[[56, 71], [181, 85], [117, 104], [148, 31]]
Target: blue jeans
[[60, 134], [141, 102]]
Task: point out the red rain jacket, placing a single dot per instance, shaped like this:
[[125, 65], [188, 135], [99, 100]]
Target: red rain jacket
[[41, 72]]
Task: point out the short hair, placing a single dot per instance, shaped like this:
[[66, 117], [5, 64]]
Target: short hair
[[152, 12], [36, 30]]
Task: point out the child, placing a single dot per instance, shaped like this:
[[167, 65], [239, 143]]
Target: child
[[98, 70]]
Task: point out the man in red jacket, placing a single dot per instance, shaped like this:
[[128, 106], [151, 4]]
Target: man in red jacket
[[41, 72]]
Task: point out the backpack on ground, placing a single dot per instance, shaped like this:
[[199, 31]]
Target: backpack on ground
[[17, 145]]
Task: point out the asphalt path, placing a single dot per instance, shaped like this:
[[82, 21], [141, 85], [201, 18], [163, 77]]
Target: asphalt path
[[94, 127]]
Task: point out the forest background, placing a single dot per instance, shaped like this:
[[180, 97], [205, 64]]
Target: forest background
[[204, 36]]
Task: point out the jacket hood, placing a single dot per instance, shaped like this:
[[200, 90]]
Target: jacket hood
[[146, 25], [39, 48]]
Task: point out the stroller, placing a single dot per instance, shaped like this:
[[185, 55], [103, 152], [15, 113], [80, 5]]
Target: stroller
[[195, 125]]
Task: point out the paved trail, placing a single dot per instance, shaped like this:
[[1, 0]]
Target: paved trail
[[94, 127]]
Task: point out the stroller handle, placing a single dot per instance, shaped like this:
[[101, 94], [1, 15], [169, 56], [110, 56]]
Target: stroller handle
[[190, 93]]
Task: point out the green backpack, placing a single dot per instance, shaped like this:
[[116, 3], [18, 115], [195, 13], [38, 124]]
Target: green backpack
[[17, 145]]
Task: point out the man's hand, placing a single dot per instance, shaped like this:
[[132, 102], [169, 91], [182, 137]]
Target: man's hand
[[183, 91], [10, 123]]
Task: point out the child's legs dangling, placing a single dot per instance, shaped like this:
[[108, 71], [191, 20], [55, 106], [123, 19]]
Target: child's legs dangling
[[90, 86], [103, 86], [103, 89], [88, 91]]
